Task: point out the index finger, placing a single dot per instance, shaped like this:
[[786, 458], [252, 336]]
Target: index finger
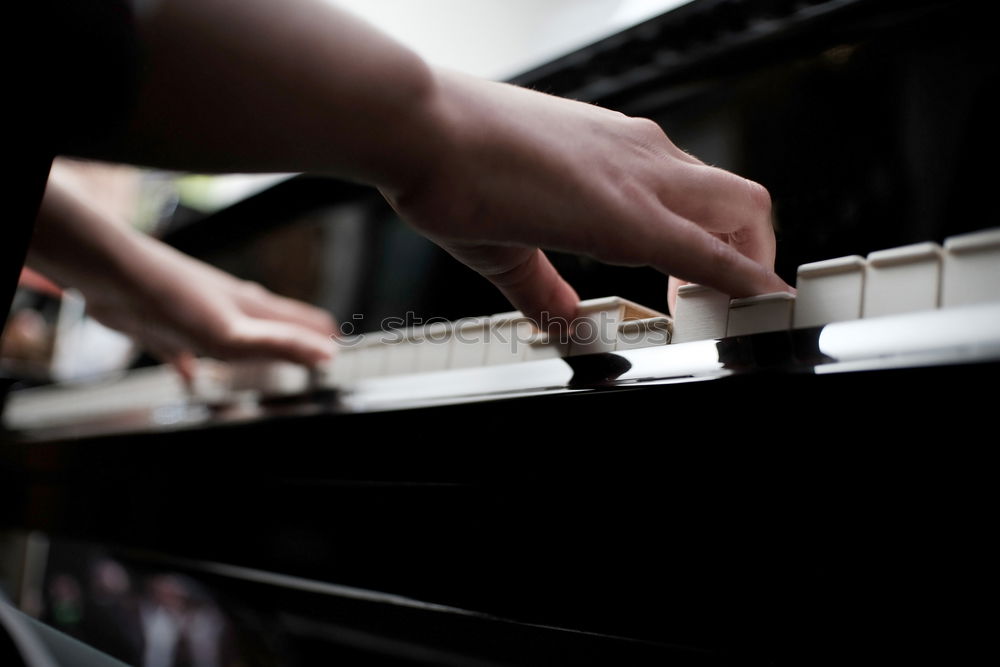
[[685, 250]]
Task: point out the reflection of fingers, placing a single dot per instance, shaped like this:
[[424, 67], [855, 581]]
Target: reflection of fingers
[[689, 252], [529, 281]]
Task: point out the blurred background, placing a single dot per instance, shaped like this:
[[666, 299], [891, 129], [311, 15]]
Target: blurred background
[[867, 121]]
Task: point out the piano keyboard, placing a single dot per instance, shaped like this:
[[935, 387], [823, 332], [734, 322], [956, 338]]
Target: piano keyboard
[[888, 282], [602, 325], [936, 298]]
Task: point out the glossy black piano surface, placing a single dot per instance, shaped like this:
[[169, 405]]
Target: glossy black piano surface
[[779, 507], [765, 512]]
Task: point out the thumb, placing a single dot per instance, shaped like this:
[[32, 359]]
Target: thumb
[[526, 277]]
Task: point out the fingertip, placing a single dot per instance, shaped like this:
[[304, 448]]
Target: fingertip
[[560, 311], [777, 284], [326, 323], [537, 290], [280, 340], [267, 305], [185, 364], [313, 351], [673, 284]]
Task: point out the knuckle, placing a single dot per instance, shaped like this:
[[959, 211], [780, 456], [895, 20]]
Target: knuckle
[[759, 197], [513, 271], [648, 129], [227, 341], [253, 289]]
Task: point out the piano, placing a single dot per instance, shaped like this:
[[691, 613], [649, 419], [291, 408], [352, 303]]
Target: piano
[[818, 493]]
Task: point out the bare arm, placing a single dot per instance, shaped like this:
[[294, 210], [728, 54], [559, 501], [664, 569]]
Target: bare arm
[[490, 171]]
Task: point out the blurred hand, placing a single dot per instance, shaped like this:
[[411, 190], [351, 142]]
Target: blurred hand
[[177, 307], [173, 305]]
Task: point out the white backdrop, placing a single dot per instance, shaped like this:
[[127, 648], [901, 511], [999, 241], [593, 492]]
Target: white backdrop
[[496, 39], [500, 38]]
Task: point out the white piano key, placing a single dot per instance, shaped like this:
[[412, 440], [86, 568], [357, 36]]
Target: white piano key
[[647, 332], [434, 347], [372, 356], [971, 271], [400, 354], [270, 378], [467, 348], [701, 314], [541, 346], [212, 381], [509, 335], [339, 371], [595, 328], [902, 280], [829, 291], [761, 313]]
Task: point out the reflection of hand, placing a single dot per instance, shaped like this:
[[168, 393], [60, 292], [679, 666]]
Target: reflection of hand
[[520, 170], [172, 304]]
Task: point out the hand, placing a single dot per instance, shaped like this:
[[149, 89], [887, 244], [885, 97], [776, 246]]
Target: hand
[[173, 305], [518, 170], [176, 307], [492, 172]]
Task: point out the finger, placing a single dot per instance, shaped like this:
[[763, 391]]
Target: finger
[[763, 253], [684, 250], [272, 339], [718, 201], [186, 365], [758, 244], [672, 286], [182, 360], [527, 278], [258, 302]]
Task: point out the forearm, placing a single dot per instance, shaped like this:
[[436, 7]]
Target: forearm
[[74, 244], [492, 172], [295, 85]]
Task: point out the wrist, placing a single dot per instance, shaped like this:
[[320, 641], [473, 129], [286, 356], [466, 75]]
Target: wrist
[[78, 246], [438, 152], [422, 134]]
